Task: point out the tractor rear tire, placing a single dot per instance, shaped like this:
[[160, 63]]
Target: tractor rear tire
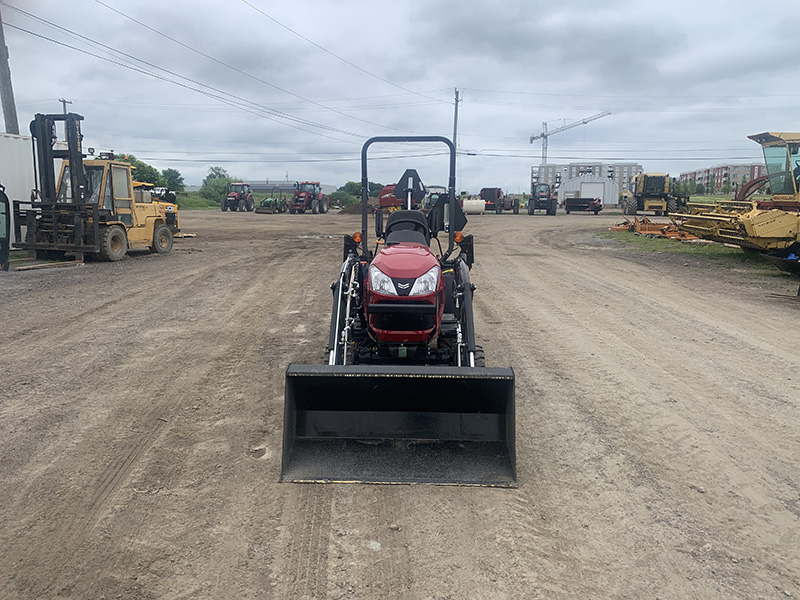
[[113, 243], [631, 206], [516, 207], [251, 204], [241, 206], [498, 210], [162, 240], [323, 205]]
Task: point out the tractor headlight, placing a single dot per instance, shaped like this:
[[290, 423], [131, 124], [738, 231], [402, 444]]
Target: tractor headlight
[[380, 282], [426, 284]]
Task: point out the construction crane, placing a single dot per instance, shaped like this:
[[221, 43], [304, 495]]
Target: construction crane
[[546, 134]]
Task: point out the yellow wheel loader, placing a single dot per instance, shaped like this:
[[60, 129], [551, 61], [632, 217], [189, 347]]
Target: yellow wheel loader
[[91, 208]]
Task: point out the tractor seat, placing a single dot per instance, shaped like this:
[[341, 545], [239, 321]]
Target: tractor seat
[[407, 226]]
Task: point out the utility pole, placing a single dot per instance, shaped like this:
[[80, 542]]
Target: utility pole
[[6, 91], [455, 121], [64, 104]]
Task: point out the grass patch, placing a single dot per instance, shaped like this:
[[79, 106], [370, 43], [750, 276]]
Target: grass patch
[[194, 201], [724, 256]]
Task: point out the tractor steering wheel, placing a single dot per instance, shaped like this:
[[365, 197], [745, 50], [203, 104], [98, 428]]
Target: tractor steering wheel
[[417, 225]]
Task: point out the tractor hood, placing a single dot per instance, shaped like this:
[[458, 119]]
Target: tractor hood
[[405, 260]]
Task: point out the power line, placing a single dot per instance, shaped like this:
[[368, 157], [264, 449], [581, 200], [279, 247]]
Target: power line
[[336, 56], [240, 103], [559, 94], [308, 160], [246, 74]]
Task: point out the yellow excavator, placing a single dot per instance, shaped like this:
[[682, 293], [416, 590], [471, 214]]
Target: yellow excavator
[[91, 208], [768, 226]]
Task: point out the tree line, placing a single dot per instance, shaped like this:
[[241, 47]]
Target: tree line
[[169, 178]]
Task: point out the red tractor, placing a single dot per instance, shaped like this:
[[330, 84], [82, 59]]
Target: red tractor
[[405, 395], [239, 198], [309, 196], [497, 201], [543, 197]]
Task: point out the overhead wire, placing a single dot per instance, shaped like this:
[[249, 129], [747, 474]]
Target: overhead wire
[[238, 102], [246, 74], [336, 56]]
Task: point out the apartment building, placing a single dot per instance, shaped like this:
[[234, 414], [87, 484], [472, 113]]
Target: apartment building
[[734, 174]]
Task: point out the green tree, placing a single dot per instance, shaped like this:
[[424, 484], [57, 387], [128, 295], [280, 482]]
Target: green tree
[[173, 179], [143, 172], [744, 180], [215, 185], [712, 185], [354, 188], [726, 187], [351, 187], [374, 189], [692, 188], [700, 189]]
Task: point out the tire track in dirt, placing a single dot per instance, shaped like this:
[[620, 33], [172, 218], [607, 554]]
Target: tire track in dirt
[[127, 455], [548, 330]]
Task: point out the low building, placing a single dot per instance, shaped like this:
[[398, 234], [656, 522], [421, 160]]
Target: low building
[[590, 186], [621, 173]]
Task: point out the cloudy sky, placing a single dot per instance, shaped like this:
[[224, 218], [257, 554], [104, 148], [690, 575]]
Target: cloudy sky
[[270, 89]]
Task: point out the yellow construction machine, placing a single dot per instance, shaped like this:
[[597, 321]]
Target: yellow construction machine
[[770, 226], [654, 191], [91, 208]]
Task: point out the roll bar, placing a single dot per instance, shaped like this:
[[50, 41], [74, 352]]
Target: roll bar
[[365, 181]]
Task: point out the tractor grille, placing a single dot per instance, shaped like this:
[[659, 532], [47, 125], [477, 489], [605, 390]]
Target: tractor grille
[[408, 316]]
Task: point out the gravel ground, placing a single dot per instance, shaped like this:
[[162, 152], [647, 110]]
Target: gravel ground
[[141, 414]]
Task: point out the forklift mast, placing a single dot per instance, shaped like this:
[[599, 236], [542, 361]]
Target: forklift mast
[[43, 132]]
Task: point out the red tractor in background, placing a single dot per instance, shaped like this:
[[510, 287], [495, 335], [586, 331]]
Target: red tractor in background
[[309, 196], [497, 201], [543, 197], [239, 198]]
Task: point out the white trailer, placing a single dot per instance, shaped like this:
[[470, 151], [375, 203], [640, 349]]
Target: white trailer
[[16, 169]]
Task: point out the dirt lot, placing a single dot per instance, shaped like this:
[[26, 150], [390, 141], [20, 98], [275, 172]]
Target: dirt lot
[[658, 427]]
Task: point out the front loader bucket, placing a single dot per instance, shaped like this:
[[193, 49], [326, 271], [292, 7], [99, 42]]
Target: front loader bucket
[[399, 424]]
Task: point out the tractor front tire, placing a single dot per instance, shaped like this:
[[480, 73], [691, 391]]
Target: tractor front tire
[[516, 207], [314, 206], [241, 206], [631, 206], [672, 205], [113, 243], [480, 356], [162, 240]]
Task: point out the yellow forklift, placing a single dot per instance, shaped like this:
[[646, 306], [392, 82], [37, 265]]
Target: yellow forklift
[[91, 208]]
